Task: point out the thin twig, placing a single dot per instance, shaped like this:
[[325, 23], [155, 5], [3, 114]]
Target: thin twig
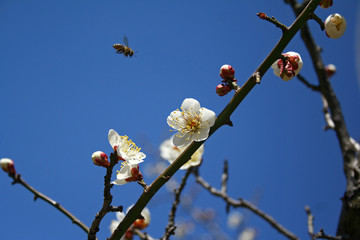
[[224, 177], [322, 235], [329, 122], [309, 85], [170, 228], [106, 207], [310, 222], [273, 21], [318, 20], [17, 179], [243, 203], [142, 235]]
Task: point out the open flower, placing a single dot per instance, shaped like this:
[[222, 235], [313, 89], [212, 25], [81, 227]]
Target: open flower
[[289, 68], [125, 148], [169, 152], [7, 165], [335, 25], [192, 122], [128, 173]]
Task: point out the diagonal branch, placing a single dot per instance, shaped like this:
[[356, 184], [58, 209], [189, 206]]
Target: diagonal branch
[[17, 179], [222, 118]]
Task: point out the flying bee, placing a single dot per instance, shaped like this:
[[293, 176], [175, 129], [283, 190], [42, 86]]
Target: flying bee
[[124, 48]]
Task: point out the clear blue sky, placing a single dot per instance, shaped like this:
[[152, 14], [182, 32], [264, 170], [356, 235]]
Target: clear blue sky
[[62, 88]]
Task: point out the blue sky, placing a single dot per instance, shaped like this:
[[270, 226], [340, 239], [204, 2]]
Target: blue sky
[[62, 88]]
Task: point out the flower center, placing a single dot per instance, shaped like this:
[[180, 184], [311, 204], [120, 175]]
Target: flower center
[[337, 21], [193, 122], [128, 146]]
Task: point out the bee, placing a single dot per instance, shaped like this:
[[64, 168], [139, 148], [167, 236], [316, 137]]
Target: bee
[[124, 48]]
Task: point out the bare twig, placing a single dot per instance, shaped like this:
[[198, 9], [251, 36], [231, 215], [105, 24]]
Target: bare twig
[[17, 179], [318, 20], [224, 177], [273, 21], [309, 85], [322, 235], [170, 229], [243, 203], [310, 222], [329, 122], [107, 199], [142, 235]]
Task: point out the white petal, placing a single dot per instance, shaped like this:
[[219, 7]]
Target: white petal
[[119, 182], [134, 161], [113, 137], [120, 216], [180, 140], [190, 105], [203, 134], [207, 117], [176, 120]]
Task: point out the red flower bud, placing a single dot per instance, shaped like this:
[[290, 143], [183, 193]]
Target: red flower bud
[[227, 72], [100, 159], [222, 89]]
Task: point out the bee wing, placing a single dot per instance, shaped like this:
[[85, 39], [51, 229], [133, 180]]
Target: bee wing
[[126, 41]]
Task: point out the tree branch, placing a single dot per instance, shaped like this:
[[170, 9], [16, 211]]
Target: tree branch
[[17, 179], [106, 207], [222, 118], [243, 203], [170, 229], [349, 221]]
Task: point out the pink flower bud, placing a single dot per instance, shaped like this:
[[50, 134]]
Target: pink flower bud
[[222, 89], [7, 165], [290, 68], [330, 70], [326, 3], [227, 72], [100, 159], [335, 26]]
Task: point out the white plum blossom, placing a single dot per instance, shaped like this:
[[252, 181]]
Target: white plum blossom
[[125, 148], [170, 152], [128, 173], [335, 25], [289, 69], [192, 122]]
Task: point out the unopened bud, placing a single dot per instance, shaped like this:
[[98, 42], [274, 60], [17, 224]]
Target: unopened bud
[[222, 89], [330, 70], [289, 66], [7, 165], [100, 159], [227, 72], [326, 3], [335, 25]]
